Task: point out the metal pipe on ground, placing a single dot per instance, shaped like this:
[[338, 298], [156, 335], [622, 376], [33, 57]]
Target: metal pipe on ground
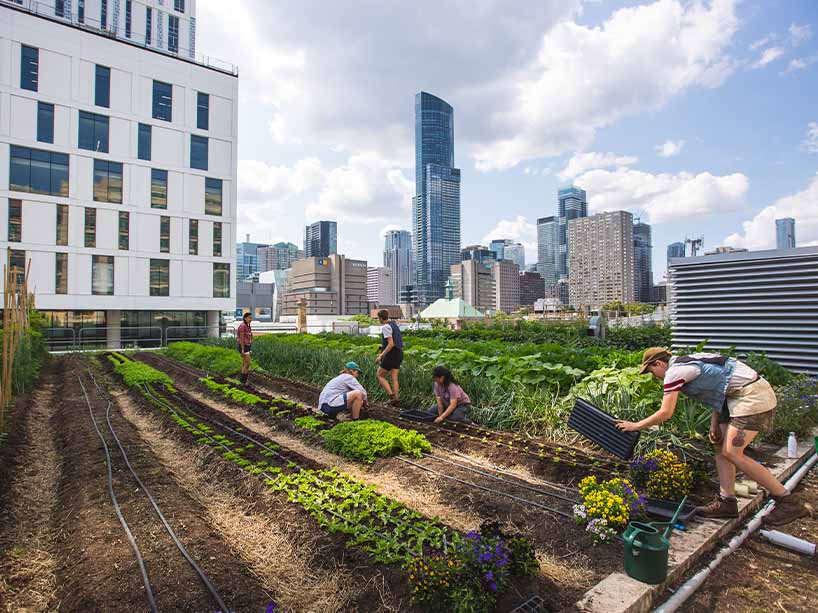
[[687, 589]]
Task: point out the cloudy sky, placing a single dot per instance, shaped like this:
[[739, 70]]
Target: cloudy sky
[[699, 117]]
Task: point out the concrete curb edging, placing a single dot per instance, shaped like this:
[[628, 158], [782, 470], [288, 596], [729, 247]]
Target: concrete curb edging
[[618, 593]]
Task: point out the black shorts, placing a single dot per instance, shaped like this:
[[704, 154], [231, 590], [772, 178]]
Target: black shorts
[[245, 349], [393, 359]]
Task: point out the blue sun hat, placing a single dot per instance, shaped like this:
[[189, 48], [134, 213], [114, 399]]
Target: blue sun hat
[[352, 366]]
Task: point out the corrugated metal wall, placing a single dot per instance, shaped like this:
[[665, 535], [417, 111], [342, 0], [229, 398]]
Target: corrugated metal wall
[[756, 301]]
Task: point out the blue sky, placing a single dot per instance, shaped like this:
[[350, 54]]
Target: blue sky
[[699, 117]]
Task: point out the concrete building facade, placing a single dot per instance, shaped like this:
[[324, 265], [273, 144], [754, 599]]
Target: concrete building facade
[[785, 233], [380, 288], [399, 259], [320, 239], [278, 257], [532, 288], [330, 286], [118, 166], [601, 264], [506, 276], [547, 248], [473, 281]]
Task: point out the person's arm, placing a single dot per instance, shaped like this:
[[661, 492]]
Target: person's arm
[[389, 344], [664, 413], [356, 385], [449, 410], [715, 430]]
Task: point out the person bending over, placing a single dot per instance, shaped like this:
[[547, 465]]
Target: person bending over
[[390, 356], [742, 404], [344, 393], [451, 402]]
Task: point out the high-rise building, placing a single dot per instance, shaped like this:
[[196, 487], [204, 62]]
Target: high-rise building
[[642, 262], [572, 203], [506, 286], [278, 257], [547, 248], [120, 149], [436, 205], [333, 285], [380, 288], [321, 239], [397, 257], [479, 253], [507, 249], [675, 250], [785, 233], [474, 283], [247, 259], [532, 288], [601, 263]]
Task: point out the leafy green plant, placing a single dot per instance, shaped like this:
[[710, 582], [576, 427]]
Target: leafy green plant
[[233, 393], [216, 360], [308, 422], [136, 374], [797, 409], [369, 439]]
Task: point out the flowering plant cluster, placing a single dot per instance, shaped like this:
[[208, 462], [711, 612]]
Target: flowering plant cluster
[[662, 475], [600, 531], [614, 501], [470, 576]]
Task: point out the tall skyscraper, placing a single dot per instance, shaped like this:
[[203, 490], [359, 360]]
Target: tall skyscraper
[[642, 262], [675, 250], [601, 263], [247, 261], [112, 238], [506, 286], [785, 233], [473, 281], [321, 239], [278, 257], [436, 205], [398, 257], [547, 248], [478, 253], [507, 249], [572, 203]]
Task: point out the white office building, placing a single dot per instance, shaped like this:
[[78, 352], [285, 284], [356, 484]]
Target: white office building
[[380, 287], [117, 165]]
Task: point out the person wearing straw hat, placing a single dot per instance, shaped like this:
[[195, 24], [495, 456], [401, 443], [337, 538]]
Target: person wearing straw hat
[[742, 404], [344, 393]]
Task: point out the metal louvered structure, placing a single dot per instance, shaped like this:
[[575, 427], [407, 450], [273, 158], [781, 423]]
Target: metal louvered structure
[[753, 301]]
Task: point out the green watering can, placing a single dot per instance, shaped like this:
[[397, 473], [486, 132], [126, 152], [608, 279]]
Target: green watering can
[[646, 548]]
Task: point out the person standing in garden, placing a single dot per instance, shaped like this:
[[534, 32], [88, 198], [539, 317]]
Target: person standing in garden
[[244, 338], [742, 404], [390, 356], [451, 402], [344, 393]]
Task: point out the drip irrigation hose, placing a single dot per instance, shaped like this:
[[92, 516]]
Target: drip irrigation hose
[[138, 554], [486, 489], [207, 583]]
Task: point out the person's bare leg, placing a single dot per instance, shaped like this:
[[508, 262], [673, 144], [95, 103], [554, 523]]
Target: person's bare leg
[[725, 468], [395, 385], [381, 374], [733, 448], [354, 402]]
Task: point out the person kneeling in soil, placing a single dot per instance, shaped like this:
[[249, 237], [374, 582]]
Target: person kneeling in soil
[[344, 393], [742, 404], [452, 403]]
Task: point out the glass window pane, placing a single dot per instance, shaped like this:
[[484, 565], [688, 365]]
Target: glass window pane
[[198, 152], [213, 196], [102, 275], [148, 24], [37, 171], [128, 17], [159, 188], [217, 239], [101, 180], [164, 234], [162, 101], [40, 172], [61, 273], [81, 11], [45, 122], [62, 225], [179, 5], [20, 169], [17, 264], [102, 86], [193, 237], [124, 230], [144, 144], [90, 227], [29, 68], [173, 34], [202, 111], [15, 221], [115, 182], [160, 277], [59, 174], [103, 14], [221, 280]]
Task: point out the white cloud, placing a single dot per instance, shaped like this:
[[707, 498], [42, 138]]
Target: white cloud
[[759, 232], [582, 162], [669, 148], [810, 144], [663, 197], [768, 56], [799, 34], [762, 41], [800, 63], [259, 181], [389, 227], [518, 229]]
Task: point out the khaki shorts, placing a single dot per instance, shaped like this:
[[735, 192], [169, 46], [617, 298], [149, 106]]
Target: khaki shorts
[[760, 422], [751, 408]]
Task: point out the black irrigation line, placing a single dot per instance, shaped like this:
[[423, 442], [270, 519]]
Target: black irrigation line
[[202, 576], [138, 554]]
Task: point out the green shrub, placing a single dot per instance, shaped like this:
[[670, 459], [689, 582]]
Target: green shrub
[[797, 409], [369, 439], [139, 373], [216, 360], [308, 422]]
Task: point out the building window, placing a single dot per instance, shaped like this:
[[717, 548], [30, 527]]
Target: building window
[[193, 237], [102, 86], [124, 230], [38, 172], [221, 280], [15, 221], [128, 15], [160, 277], [198, 152], [81, 11], [17, 265], [29, 67], [103, 14], [159, 189], [62, 225], [164, 234], [45, 122], [107, 181], [217, 239], [162, 101], [102, 275], [90, 227], [173, 34], [59, 8], [179, 6], [148, 24], [93, 132], [61, 274], [144, 142], [213, 196], [202, 111]]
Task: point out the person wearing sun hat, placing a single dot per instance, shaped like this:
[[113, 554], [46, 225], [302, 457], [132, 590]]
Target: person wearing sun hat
[[344, 393], [742, 404]]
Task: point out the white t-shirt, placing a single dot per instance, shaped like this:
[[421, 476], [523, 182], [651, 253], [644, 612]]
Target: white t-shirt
[[679, 374], [333, 392], [386, 330]]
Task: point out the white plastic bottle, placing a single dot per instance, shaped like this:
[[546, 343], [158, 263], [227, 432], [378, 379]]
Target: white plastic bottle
[[792, 446]]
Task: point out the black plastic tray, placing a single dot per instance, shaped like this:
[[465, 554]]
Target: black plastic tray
[[664, 510], [417, 415], [598, 426]]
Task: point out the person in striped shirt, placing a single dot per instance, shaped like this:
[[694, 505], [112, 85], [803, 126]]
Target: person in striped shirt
[[742, 404]]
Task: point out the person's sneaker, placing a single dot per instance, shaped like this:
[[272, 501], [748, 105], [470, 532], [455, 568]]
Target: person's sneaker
[[720, 508], [787, 509]]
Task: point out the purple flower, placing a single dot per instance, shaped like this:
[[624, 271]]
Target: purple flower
[[489, 576], [493, 587]]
